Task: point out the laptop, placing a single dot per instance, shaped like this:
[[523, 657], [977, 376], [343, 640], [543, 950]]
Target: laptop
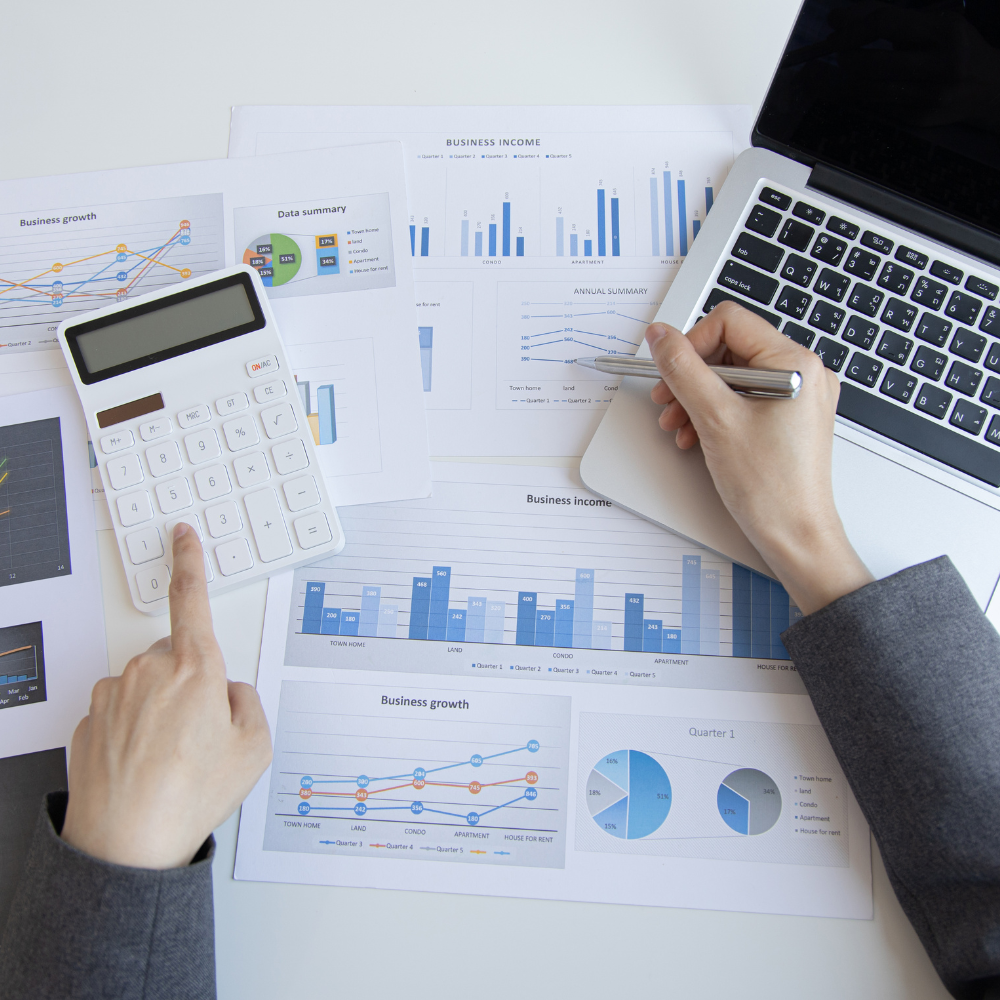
[[863, 223]]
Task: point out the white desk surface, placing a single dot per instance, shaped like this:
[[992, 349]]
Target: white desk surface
[[103, 85]]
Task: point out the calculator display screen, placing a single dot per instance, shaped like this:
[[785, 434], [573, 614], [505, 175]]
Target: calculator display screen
[[165, 328]]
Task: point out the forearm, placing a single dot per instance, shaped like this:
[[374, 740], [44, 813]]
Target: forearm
[[905, 677], [85, 928]]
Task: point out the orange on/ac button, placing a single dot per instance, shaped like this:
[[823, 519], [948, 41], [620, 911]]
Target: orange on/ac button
[[262, 366]]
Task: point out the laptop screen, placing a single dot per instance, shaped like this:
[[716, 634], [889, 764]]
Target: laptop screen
[[904, 93]]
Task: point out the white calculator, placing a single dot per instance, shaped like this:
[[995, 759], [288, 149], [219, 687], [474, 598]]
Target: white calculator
[[194, 414]]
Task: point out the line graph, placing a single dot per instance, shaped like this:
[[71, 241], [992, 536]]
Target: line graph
[[464, 777], [22, 665]]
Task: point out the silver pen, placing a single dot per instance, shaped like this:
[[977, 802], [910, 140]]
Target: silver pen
[[768, 382]]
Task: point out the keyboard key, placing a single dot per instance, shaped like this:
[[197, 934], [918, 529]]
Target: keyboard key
[[290, 456], [174, 495], [164, 459], [826, 317], [194, 415], [875, 242], [832, 284], [312, 530], [933, 401], [153, 583], [301, 493], [898, 385], [860, 332], [946, 272], [934, 329], [280, 419], [717, 295], [899, 314], [907, 428], [153, 429], [912, 257], [893, 347], [992, 360], [799, 334], [993, 431], [252, 469], [963, 378], [981, 287], [967, 344], [798, 270], [231, 404], [764, 221], [929, 363], [202, 446], [269, 531], [792, 302], [125, 471], [192, 520], [990, 322], [213, 482], [843, 228], [144, 546], [810, 214], [862, 264], [740, 278], [234, 557], [968, 417], [266, 365], [223, 519], [241, 433], [796, 235], [991, 393], [828, 249], [895, 278], [928, 292], [864, 369], [866, 299], [134, 508], [118, 441], [275, 390], [831, 353], [774, 198], [963, 307]]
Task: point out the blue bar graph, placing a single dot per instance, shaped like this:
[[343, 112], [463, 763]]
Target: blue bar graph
[[682, 222], [691, 604], [437, 619], [420, 607], [465, 237], [425, 241], [583, 609], [652, 636], [760, 615], [370, 599], [388, 616], [654, 217], [616, 246], [779, 619], [563, 631], [588, 248], [668, 214], [506, 230], [545, 622], [527, 603], [475, 620], [559, 236], [426, 334], [456, 625], [520, 246], [312, 613], [710, 609], [349, 621], [413, 241], [331, 621], [742, 624], [671, 641], [479, 243], [496, 617], [709, 199], [574, 245], [633, 622], [493, 239], [600, 223], [327, 414], [695, 229]]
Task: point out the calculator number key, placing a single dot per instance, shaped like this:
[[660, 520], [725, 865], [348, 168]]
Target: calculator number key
[[251, 469], [241, 433], [144, 546], [213, 482], [291, 456], [270, 390], [203, 446], [191, 520], [174, 495], [268, 525], [135, 508], [163, 459], [124, 472], [232, 404], [312, 530], [119, 441], [223, 519], [301, 493], [279, 420], [234, 557], [153, 583]]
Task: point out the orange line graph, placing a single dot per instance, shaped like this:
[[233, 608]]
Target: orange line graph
[[20, 649]]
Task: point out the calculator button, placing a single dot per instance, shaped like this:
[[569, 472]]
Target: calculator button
[[234, 557], [312, 530], [269, 391], [119, 441], [262, 366], [268, 525], [251, 469], [124, 472], [279, 420], [241, 433], [190, 519], [153, 583], [135, 508], [194, 415], [301, 493], [203, 446], [144, 545], [232, 404], [164, 459], [213, 482], [153, 429], [223, 519], [209, 572], [290, 457], [174, 495]]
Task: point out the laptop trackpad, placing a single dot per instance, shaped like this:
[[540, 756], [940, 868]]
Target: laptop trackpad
[[896, 518]]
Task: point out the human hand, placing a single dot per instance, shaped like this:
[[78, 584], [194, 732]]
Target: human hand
[[770, 460], [170, 747]]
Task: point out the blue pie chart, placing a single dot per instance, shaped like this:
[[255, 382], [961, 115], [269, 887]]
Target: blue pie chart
[[628, 794]]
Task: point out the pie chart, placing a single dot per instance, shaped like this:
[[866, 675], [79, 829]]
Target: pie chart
[[276, 257], [749, 801], [628, 794]]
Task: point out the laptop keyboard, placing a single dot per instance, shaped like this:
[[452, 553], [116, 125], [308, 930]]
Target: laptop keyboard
[[914, 339]]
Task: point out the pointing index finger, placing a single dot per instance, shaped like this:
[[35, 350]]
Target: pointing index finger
[[190, 614]]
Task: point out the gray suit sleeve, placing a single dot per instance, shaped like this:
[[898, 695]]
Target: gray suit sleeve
[[905, 677], [87, 929]]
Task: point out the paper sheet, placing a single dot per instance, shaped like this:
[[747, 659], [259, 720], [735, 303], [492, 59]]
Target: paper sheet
[[513, 688], [538, 235], [327, 231]]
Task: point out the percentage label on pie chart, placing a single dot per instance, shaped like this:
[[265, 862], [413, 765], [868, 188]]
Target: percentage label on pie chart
[[628, 794], [749, 801], [276, 257]]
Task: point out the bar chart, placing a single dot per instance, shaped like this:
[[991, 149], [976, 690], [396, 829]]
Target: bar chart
[[426, 334], [22, 665]]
